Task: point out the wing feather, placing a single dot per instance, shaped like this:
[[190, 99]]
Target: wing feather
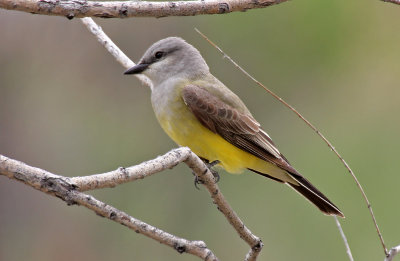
[[239, 129], [244, 132]]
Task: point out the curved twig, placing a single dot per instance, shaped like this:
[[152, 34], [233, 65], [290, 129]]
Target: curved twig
[[125, 9], [314, 129]]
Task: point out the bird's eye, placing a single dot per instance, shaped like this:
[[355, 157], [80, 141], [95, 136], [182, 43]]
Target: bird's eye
[[158, 55]]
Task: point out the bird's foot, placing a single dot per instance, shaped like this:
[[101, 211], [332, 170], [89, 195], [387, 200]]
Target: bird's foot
[[210, 166], [215, 173]]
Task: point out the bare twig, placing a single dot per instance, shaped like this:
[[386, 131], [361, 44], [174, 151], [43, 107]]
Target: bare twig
[[123, 175], [169, 160], [69, 190], [392, 253], [314, 129], [112, 48], [124, 9], [346, 244], [63, 188], [253, 241], [397, 2]]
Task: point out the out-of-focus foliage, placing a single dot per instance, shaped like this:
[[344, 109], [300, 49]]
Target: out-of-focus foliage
[[66, 107]]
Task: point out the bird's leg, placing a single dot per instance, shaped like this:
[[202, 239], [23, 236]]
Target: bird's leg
[[210, 166]]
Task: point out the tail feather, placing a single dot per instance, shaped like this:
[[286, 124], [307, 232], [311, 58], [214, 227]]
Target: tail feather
[[306, 189], [315, 196]]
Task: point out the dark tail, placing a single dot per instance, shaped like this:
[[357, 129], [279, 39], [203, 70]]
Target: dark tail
[[311, 193], [315, 196]]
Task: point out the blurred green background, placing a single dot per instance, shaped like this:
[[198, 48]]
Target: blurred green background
[[66, 107]]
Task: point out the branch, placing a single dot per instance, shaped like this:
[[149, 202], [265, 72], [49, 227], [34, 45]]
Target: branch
[[112, 48], [167, 161], [70, 191], [124, 175], [397, 2], [207, 178], [124, 9], [63, 188]]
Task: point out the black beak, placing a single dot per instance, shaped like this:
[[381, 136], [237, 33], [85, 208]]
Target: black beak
[[138, 68]]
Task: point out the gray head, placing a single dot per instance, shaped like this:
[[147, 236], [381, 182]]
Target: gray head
[[170, 57]]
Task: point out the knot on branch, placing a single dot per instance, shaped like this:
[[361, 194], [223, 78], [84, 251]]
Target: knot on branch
[[70, 7], [223, 8], [180, 247], [70, 16], [60, 188], [123, 11], [257, 247]]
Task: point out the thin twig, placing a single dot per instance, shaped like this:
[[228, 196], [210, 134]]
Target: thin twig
[[124, 175], [313, 128], [112, 48], [253, 241], [63, 188], [346, 244], [125, 9]]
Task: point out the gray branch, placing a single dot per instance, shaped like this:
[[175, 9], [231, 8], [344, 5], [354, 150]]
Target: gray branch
[[167, 161], [112, 48], [70, 191], [63, 188], [124, 9]]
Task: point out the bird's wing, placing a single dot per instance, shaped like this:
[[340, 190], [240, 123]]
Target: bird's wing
[[244, 132], [239, 129]]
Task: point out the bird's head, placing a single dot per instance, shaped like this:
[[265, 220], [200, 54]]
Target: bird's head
[[170, 57]]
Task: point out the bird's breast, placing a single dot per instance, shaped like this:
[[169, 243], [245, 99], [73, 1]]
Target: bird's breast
[[173, 115], [183, 127]]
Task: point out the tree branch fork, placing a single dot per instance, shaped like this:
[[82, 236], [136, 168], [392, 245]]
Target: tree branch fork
[[70, 190]]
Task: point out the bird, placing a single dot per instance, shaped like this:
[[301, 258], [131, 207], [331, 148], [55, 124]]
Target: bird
[[197, 110]]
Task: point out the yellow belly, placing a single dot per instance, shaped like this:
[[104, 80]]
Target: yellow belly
[[208, 145], [184, 128]]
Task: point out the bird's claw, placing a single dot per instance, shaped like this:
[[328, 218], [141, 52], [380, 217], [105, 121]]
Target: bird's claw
[[197, 181], [210, 166], [213, 171]]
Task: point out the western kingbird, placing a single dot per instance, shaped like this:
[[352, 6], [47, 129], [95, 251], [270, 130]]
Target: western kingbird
[[198, 111]]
